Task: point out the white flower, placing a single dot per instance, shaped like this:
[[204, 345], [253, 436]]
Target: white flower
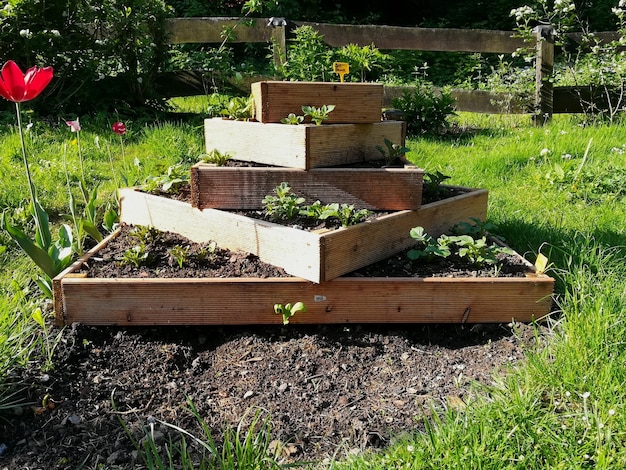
[[545, 152], [611, 412], [25, 33]]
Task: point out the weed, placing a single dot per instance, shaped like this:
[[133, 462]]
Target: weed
[[292, 119]]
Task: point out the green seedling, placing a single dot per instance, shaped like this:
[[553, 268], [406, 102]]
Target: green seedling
[[346, 214], [145, 234], [478, 251], [433, 181], [239, 108], [288, 310], [394, 153], [427, 247], [135, 256], [476, 229], [216, 157], [284, 205], [180, 254], [170, 182], [292, 119], [318, 115], [206, 252]]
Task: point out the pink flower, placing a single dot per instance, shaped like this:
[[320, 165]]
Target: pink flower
[[17, 87], [74, 125], [119, 128]]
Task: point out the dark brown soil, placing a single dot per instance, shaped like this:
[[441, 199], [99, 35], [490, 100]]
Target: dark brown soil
[[329, 391]]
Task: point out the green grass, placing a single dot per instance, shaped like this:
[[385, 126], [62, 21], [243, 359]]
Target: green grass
[[563, 407]]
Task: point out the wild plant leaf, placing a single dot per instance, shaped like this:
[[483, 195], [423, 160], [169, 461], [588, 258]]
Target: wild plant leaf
[[38, 255], [43, 237]]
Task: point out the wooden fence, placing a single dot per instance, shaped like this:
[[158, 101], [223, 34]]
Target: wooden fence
[[547, 99]]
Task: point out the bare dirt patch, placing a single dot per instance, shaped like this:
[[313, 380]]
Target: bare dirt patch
[[328, 390]]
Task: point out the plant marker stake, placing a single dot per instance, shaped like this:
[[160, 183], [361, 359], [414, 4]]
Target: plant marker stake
[[341, 68]]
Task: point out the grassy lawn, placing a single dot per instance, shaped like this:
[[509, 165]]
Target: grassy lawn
[[558, 190]]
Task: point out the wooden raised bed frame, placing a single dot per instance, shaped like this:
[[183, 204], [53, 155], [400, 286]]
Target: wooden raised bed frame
[[355, 103], [365, 188], [304, 146], [316, 256], [130, 302]]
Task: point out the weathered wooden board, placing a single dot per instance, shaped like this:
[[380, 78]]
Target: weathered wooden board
[[365, 188], [97, 301], [355, 103], [303, 146], [317, 256]]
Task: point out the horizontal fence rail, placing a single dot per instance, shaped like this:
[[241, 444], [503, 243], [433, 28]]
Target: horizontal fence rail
[[277, 31]]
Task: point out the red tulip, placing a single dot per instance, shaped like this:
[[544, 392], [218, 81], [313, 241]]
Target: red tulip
[[119, 128], [17, 87]]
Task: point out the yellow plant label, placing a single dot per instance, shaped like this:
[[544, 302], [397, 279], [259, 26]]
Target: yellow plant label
[[541, 263], [341, 68]]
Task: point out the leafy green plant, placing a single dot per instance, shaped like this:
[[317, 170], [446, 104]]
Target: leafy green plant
[[239, 108], [426, 246], [292, 119], [425, 111], [287, 311], [145, 234], [363, 59], [394, 154], [180, 254], [206, 252], [216, 157], [346, 214], [284, 205], [478, 251], [135, 256], [170, 182], [431, 185], [310, 59], [51, 257], [48, 342], [476, 228], [318, 115]]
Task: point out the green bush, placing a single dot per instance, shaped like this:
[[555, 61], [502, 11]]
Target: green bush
[[104, 53], [425, 110]]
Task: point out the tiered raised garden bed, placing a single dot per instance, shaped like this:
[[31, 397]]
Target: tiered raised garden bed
[[319, 259], [237, 301]]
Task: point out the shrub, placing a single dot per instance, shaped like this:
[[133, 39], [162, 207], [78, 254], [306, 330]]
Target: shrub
[[86, 42], [425, 110]]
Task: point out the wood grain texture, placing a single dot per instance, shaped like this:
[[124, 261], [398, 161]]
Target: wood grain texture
[[319, 256], [344, 300], [303, 146], [355, 103], [365, 188]]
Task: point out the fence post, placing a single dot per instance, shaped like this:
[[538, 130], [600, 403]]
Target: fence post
[[544, 88], [279, 41]]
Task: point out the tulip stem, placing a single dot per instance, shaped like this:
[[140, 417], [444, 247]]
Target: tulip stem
[[31, 185]]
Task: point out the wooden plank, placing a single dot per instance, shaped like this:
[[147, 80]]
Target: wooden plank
[[303, 146], [344, 300], [211, 30], [319, 256], [422, 39], [364, 244], [365, 188], [355, 103]]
